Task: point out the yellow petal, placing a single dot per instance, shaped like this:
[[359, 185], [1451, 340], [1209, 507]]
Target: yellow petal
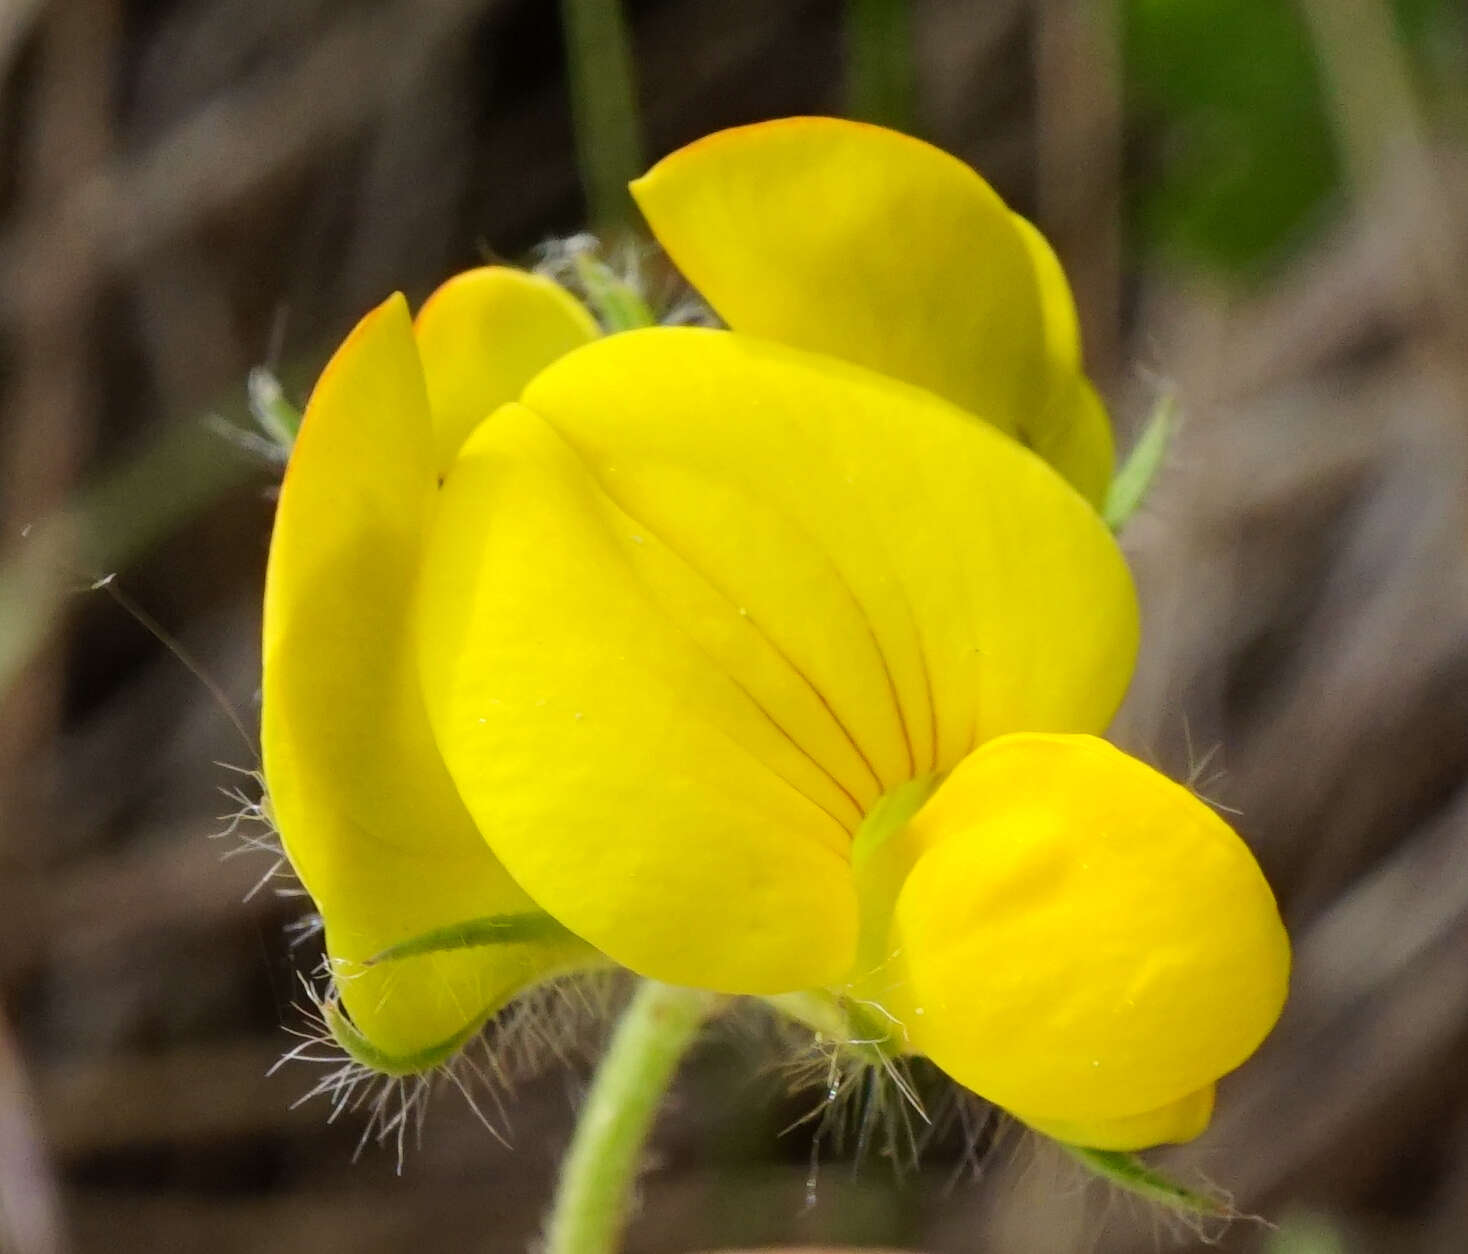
[[693, 607], [863, 243], [367, 812], [483, 335], [1084, 940], [1174, 1124], [1070, 430], [1074, 436], [1059, 319]]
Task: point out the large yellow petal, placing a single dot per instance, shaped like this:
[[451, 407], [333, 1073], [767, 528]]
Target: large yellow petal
[[367, 812], [693, 607], [1083, 940], [482, 336], [871, 246]]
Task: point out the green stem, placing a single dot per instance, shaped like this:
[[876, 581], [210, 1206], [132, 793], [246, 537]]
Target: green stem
[[604, 108], [1369, 81], [881, 70], [594, 1194]]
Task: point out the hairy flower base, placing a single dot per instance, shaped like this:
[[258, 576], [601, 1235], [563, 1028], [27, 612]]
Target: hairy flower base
[[761, 660], [965, 902]]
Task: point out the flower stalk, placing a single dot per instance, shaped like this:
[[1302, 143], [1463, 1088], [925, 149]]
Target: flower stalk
[[593, 1197]]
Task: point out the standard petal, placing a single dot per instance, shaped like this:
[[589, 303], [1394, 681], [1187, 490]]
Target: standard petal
[[877, 248], [698, 603], [367, 812], [483, 335], [1084, 940]]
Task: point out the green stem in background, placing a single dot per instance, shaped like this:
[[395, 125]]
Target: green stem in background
[[881, 73], [107, 526], [1369, 80], [593, 1198], [603, 109]]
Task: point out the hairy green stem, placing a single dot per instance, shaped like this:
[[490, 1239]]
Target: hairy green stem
[[593, 1197]]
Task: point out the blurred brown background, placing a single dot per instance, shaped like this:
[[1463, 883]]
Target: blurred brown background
[[1263, 206]]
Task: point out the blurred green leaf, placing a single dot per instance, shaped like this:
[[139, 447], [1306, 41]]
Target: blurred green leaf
[[1249, 163]]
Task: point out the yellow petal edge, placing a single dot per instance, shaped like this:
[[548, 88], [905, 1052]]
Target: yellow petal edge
[[366, 811], [1174, 1124], [482, 335], [1084, 941]]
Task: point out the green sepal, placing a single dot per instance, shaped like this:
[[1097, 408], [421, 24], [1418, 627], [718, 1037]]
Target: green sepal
[[276, 416], [528, 927], [852, 1028], [1129, 1173], [1134, 480], [617, 304], [363, 1052]]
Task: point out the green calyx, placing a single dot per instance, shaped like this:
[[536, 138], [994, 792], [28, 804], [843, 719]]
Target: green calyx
[[851, 1027], [1129, 1173], [617, 304], [276, 416], [531, 928], [363, 1052]]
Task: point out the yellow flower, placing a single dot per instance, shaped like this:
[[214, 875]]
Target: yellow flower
[[763, 660]]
